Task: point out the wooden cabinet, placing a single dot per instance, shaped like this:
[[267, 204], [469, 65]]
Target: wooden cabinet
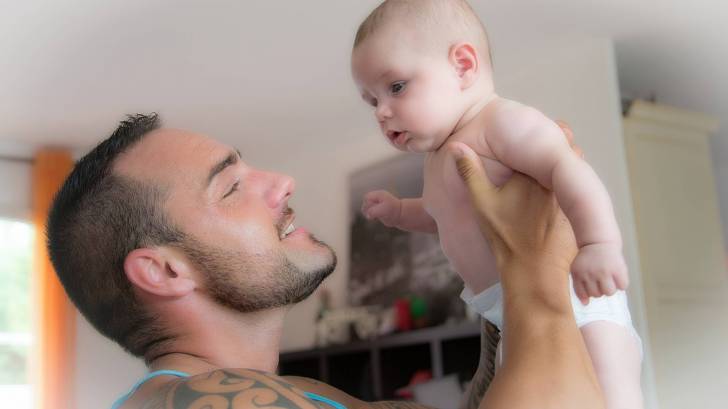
[[681, 253]]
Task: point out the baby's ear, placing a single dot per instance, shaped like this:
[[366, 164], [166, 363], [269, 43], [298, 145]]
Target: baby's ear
[[464, 58]]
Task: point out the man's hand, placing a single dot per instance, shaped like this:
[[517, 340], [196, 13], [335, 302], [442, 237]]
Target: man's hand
[[521, 219], [383, 206], [546, 364]]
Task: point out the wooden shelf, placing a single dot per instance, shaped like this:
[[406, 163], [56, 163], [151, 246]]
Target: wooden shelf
[[374, 369]]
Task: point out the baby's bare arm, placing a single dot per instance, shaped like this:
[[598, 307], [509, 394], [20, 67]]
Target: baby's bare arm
[[525, 140], [404, 214], [415, 218]]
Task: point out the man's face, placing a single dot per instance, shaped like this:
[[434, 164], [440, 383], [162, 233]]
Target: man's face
[[236, 220]]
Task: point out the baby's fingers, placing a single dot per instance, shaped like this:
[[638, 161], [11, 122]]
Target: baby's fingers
[[569, 134], [581, 292], [369, 209], [607, 286], [621, 279], [373, 197], [375, 211], [592, 288]]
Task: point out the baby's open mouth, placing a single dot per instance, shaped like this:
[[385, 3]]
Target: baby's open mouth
[[397, 137]]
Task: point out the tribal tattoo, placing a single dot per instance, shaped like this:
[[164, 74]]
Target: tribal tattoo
[[232, 388]]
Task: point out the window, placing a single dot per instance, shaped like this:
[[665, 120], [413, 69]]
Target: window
[[16, 336]]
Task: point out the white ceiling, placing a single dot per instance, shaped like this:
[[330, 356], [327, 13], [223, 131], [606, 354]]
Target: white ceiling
[[274, 74]]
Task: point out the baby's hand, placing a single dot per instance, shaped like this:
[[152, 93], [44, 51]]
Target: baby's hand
[[599, 269], [381, 205]]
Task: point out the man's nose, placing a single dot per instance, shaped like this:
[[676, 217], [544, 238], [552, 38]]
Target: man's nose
[[280, 189], [383, 112]]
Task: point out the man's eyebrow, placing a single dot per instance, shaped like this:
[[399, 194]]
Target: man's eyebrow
[[232, 158]]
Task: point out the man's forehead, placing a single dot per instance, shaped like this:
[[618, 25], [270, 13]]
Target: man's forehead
[[167, 155]]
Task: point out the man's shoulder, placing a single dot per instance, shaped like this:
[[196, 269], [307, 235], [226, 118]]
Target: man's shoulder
[[248, 389], [230, 388]]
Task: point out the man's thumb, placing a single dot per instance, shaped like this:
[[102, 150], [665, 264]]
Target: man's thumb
[[470, 169]]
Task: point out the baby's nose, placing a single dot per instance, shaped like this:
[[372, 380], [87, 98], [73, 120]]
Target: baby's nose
[[383, 113]]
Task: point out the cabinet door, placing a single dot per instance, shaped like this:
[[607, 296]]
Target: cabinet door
[[683, 261]]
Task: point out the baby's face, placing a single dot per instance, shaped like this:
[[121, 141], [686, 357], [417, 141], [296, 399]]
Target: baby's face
[[415, 93]]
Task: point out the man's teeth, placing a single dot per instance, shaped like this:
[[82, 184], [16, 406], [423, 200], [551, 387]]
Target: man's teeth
[[288, 231]]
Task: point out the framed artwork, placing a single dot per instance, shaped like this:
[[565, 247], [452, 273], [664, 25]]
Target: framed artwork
[[387, 263]]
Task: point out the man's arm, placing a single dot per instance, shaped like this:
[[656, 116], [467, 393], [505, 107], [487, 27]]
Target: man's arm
[[546, 364], [489, 337]]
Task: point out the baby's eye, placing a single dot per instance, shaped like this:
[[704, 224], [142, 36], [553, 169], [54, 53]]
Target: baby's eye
[[397, 87]]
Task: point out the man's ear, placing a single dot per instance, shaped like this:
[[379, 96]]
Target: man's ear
[[464, 58], [159, 272]]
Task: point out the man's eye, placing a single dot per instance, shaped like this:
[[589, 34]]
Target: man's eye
[[232, 189], [397, 87]]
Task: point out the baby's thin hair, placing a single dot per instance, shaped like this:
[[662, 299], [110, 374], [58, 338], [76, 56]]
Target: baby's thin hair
[[454, 17]]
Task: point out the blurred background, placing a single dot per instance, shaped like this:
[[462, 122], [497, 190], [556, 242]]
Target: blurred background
[[642, 84]]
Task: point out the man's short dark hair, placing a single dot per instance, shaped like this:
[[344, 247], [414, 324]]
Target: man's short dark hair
[[97, 218]]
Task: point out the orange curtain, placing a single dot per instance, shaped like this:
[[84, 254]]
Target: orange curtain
[[56, 315]]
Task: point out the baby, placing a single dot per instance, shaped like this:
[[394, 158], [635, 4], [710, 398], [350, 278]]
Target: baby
[[424, 65]]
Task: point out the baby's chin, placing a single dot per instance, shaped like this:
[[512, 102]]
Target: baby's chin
[[423, 146], [418, 149]]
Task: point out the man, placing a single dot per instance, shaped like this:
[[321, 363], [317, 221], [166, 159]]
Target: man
[[173, 247]]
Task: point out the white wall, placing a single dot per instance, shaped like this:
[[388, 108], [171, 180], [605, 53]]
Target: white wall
[[571, 80], [103, 370], [15, 189]]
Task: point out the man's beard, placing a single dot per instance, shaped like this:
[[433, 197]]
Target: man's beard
[[249, 283]]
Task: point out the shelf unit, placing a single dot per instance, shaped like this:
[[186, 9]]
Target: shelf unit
[[375, 369]]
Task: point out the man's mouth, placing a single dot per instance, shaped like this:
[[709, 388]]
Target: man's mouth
[[285, 226], [288, 231]]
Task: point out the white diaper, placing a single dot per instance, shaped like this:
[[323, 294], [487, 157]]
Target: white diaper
[[613, 308]]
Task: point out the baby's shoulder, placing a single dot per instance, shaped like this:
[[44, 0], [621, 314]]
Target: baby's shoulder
[[503, 110], [504, 118]]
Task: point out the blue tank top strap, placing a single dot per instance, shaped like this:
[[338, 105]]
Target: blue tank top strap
[[149, 376], [319, 398]]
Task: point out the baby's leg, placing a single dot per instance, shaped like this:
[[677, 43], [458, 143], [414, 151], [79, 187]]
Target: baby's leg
[[616, 354]]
